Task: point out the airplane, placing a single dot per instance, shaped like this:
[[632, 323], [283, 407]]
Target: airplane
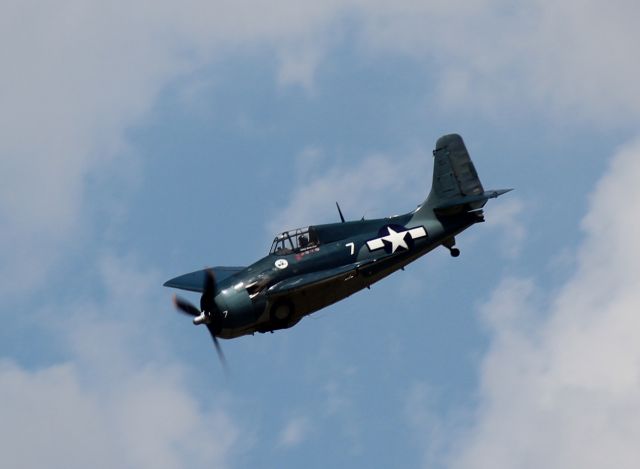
[[310, 268]]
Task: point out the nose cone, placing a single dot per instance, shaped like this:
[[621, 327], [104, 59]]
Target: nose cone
[[193, 281]]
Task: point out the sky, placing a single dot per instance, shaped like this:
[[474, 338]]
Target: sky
[[143, 140]]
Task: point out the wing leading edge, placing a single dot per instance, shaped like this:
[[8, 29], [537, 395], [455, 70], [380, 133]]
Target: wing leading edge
[[195, 281]]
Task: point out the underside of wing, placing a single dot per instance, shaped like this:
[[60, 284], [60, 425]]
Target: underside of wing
[[311, 279], [316, 290], [321, 278]]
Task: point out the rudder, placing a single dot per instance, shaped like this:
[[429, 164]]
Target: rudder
[[456, 186], [454, 175]]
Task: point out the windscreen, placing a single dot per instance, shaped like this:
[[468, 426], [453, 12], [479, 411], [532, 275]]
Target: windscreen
[[296, 240]]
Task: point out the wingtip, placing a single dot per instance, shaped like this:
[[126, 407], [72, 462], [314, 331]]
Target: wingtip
[[171, 284]]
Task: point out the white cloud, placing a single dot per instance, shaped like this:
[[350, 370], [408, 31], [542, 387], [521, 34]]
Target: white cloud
[[560, 385], [371, 187], [570, 57], [294, 432], [146, 418], [504, 218], [119, 399], [298, 64], [428, 427], [77, 74]]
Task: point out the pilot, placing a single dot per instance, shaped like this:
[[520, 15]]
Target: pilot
[[303, 241]]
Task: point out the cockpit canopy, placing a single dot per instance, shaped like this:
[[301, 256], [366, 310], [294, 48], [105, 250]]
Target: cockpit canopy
[[300, 239]]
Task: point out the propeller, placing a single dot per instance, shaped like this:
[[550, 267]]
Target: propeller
[[206, 313], [221, 357], [185, 307]]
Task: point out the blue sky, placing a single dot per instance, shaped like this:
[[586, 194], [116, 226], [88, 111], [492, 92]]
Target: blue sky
[[137, 146]]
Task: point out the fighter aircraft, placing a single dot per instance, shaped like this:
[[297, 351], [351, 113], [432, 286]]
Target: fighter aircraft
[[313, 267]]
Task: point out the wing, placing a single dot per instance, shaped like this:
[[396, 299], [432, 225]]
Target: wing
[[316, 290], [303, 281], [195, 281], [338, 274]]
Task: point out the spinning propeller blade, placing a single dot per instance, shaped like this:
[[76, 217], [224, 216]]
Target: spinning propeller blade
[[206, 313], [207, 300], [185, 307], [219, 351]]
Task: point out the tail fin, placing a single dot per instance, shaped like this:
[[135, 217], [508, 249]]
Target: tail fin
[[456, 186]]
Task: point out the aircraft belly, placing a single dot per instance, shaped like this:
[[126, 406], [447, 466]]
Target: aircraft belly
[[313, 299], [308, 300]]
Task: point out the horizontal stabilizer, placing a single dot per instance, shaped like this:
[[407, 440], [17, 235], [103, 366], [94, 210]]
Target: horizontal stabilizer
[[474, 201], [195, 281]]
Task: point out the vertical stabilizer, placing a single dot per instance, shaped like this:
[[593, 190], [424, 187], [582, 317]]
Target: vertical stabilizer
[[456, 187], [454, 175]]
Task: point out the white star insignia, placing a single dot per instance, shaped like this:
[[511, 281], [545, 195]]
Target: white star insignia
[[396, 239]]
